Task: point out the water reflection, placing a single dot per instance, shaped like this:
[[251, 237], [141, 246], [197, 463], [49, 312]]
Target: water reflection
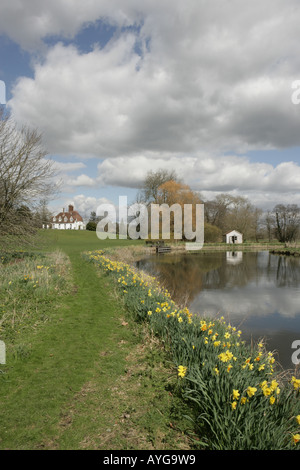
[[234, 257], [258, 292]]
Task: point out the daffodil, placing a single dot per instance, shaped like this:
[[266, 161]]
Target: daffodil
[[296, 438], [181, 371], [296, 383], [251, 391], [225, 356], [266, 391]]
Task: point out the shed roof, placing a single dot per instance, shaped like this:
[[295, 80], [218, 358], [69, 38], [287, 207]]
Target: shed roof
[[230, 231]]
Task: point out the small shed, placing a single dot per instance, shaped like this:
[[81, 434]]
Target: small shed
[[233, 237]]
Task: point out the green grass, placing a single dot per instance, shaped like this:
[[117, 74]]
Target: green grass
[[79, 374], [238, 396]]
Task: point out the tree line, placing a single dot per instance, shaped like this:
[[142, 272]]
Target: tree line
[[223, 213], [27, 183]]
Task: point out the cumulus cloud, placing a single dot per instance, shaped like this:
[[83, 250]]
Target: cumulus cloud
[[204, 172], [69, 166], [29, 23], [178, 86], [263, 184], [81, 203], [199, 75], [87, 204], [81, 180]]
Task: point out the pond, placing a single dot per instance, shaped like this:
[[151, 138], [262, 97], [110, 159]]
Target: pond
[[258, 292]]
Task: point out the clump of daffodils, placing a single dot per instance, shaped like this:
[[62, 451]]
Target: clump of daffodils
[[220, 371]]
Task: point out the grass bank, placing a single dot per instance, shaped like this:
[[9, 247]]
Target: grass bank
[[97, 358], [238, 400], [287, 250], [79, 374]]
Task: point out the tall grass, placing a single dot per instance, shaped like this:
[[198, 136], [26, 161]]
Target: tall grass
[[238, 399], [29, 287]]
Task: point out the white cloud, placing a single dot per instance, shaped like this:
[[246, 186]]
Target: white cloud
[[203, 172], [264, 184], [69, 166], [28, 23], [211, 76], [81, 180], [188, 82], [85, 205]]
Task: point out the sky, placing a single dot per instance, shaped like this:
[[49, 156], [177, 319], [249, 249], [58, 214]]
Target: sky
[[117, 88]]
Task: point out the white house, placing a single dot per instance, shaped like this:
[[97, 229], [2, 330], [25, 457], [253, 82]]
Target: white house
[[70, 220], [233, 237]]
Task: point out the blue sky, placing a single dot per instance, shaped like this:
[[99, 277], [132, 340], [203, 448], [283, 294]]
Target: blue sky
[[118, 88]]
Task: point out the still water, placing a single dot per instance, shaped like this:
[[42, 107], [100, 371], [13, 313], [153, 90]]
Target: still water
[[257, 292]]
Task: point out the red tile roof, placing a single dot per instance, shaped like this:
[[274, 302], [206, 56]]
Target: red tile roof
[[68, 217]]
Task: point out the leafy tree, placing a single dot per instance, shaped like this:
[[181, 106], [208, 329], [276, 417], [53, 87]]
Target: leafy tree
[[93, 217], [172, 193], [91, 225], [212, 233]]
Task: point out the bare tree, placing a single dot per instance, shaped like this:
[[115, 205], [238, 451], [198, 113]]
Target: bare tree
[[287, 222], [25, 177], [234, 212], [42, 215], [153, 180], [269, 224]]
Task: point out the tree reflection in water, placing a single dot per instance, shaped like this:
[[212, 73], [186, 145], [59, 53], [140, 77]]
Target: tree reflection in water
[[257, 291]]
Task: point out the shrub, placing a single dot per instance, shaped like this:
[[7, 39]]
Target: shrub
[[212, 234], [92, 226]]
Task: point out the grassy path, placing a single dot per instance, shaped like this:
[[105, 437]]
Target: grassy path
[[91, 381]]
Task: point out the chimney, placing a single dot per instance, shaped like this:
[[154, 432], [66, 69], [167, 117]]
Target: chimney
[[71, 208]]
